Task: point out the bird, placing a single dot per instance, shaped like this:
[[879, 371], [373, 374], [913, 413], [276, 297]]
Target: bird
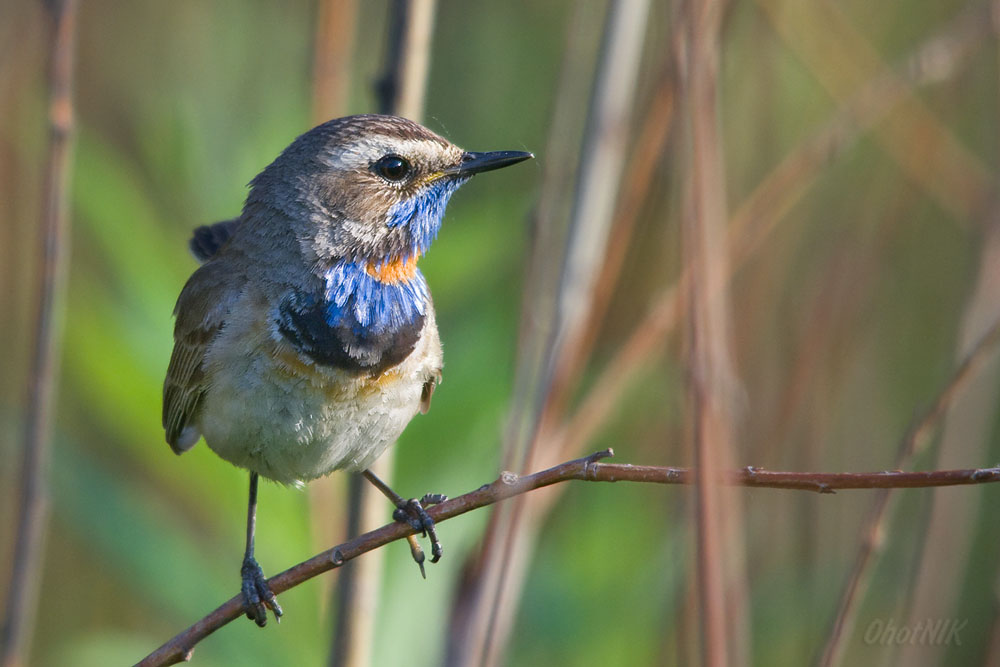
[[306, 340]]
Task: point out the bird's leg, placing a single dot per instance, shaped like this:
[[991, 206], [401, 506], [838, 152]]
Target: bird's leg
[[256, 593], [412, 513]]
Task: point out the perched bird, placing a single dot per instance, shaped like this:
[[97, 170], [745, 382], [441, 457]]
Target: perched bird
[[306, 340]]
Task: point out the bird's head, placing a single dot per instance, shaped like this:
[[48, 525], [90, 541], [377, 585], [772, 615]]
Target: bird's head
[[366, 188]]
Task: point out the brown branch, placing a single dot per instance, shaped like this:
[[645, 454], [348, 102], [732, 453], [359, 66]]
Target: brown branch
[[588, 469], [43, 377]]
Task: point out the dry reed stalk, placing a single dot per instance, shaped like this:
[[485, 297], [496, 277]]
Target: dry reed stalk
[[596, 191], [468, 618], [43, 376], [333, 43], [711, 380], [332, 50], [400, 92], [650, 145]]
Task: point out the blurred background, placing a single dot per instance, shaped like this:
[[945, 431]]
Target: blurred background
[[859, 144]]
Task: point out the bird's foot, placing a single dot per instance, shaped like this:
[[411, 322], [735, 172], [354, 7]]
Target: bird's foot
[[257, 594], [412, 513]]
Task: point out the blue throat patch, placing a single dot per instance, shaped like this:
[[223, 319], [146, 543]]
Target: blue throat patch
[[424, 211]]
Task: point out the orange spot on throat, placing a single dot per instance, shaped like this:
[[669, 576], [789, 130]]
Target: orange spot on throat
[[394, 271]]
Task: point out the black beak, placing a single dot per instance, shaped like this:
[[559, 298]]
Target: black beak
[[475, 163]]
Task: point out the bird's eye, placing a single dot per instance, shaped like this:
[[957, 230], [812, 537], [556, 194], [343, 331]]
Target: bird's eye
[[392, 168]]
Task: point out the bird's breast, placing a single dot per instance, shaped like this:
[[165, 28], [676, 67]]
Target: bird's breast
[[272, 409], [367, 320]]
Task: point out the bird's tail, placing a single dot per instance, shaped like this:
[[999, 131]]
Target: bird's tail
[[209, 239]]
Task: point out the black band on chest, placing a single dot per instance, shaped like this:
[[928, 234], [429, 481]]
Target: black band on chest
[[345, 345]]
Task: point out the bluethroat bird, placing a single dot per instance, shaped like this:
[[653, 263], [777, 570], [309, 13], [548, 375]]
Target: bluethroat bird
[[306, 341]]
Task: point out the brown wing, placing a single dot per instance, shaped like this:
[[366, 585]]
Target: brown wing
[[200, 311]]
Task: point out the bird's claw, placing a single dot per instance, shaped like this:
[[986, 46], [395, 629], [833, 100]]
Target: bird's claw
[[412, 513], [257, 594]]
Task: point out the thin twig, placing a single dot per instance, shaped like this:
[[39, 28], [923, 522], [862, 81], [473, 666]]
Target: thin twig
[[588, 469], [43, 377]]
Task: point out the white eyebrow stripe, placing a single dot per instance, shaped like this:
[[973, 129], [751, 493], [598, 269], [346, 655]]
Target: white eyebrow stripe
[[364, 150]]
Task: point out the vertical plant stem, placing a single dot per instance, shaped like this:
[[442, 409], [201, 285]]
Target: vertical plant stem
[[332, 58], [711, 380], [400, 92], [650, 143], [596, 192], [332, 49], [360, 581], [484, 566], [468, 615], [402, 88], [43, 378]]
